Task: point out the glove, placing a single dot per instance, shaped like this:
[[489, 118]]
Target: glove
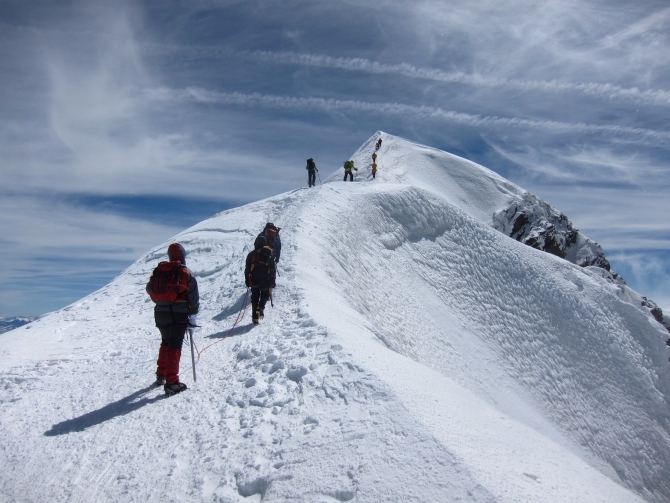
[[192, 321]]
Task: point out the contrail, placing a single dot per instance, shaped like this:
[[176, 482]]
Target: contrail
[[395, 109], [599, 90]]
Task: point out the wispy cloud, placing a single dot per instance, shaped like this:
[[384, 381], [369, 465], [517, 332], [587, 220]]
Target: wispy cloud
[[402, 110], [130, 102], [587, 164], [63, 252], [598, 90], [605, 91], [647, 269]]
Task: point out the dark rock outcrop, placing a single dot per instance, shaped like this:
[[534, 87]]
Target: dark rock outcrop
[[532, 221]]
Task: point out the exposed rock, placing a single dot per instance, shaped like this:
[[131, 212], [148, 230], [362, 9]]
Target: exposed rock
[[656, 312], [532, 221]]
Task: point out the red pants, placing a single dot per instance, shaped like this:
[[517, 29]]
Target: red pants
[[168, 363]]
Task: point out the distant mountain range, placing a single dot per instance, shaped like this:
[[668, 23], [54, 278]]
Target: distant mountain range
[[12, 322]]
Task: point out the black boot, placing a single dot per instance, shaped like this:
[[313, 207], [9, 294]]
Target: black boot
[[172, 388], [254, 314]]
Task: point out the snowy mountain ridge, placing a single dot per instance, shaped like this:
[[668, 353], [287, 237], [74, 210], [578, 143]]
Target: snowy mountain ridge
[[495, 201], [413, 353]]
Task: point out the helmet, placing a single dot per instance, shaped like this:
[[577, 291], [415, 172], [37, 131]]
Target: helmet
[[177, 252]]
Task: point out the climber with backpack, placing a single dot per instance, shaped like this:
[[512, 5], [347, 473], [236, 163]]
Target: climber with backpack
[[311, 172], [174, 290], [271, 233], [348, 166], [259, 275]]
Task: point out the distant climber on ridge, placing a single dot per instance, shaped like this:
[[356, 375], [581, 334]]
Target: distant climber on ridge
[[348, 166], [174, 289], [374, 170], [311, 172], [259, 275], [374, 156], [378, 145]]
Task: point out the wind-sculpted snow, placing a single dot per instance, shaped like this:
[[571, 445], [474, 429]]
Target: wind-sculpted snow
[[594, 364], [413, 354]]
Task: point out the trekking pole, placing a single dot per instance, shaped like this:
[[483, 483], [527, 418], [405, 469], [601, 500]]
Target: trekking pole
[[317, 174], [190, 333]]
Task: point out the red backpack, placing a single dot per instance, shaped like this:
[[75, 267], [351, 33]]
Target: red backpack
[[169, 282]]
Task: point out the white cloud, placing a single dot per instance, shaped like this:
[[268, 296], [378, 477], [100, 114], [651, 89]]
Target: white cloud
[[606, 91], [590, 164], [609, 41], [50, 249], [640, 135], [645, 271]]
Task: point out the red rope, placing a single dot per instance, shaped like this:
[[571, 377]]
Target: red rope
[[239, 318]]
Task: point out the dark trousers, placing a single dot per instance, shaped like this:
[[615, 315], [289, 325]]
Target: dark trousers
[[350, 174], [311, 177], [259, 297], [172, 327]]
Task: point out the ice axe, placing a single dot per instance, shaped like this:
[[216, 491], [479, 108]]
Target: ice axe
[[191, 331]]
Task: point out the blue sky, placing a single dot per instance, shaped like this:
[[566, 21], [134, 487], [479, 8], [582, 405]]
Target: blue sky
[[121, 125]]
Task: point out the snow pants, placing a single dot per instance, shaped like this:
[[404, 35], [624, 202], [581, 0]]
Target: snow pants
[[350, 174], [172, 327], [311, 177], [259, 297]]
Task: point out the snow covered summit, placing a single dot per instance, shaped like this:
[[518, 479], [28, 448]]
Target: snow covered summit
[[414, 353]]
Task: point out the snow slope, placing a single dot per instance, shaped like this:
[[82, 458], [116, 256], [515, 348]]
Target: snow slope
[[413, 354]]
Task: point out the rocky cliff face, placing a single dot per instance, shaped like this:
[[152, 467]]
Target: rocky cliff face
[[532, 221]]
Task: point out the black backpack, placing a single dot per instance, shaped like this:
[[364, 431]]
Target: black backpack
[[311, 164], [262, 269]]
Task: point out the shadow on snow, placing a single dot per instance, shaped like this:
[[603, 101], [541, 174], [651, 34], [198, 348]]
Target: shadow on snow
[[239, 330], [233, 309], [115, 409]]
